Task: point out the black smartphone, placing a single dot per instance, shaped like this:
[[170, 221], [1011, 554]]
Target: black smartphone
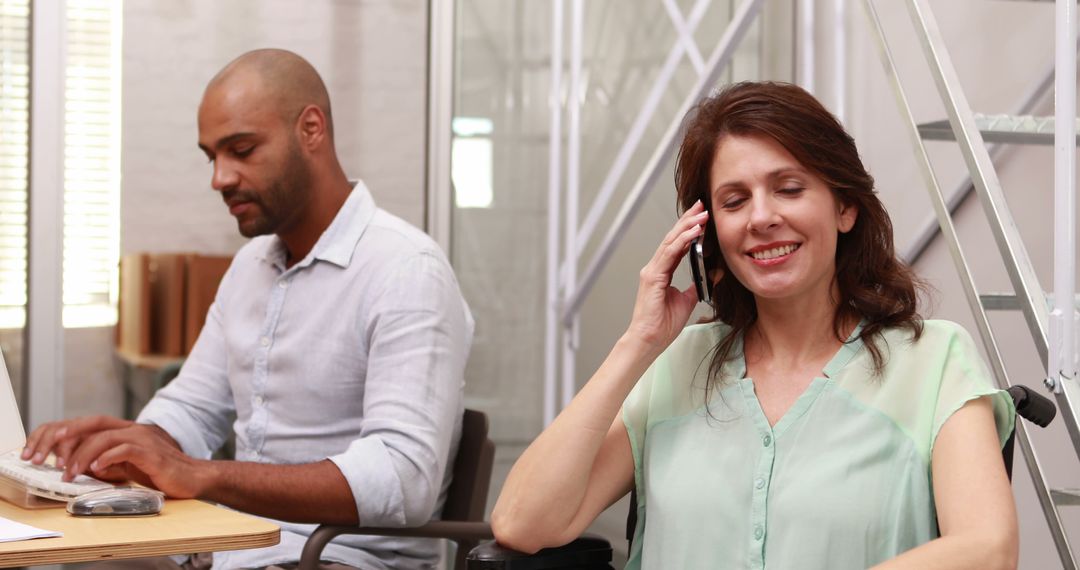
[[697, 269]]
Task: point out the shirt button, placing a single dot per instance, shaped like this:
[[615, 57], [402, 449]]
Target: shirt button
[[759, 483], [766, 441], [265, 341], [258, 400], [758, 532], [283, 284]]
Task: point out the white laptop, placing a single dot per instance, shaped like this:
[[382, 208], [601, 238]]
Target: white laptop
[[41, 480]]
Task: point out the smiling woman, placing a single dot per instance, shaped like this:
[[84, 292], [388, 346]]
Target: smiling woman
[[833, 427], [799, 149]]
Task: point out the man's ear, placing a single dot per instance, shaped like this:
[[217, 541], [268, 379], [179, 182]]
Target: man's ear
[[312, 127], [848, 214]]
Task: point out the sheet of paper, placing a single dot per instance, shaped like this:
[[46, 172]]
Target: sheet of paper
[[11, 531]]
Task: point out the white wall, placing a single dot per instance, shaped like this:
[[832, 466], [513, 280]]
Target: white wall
[[373, 57]]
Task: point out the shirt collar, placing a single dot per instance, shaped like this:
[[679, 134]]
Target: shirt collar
[[338, 242]]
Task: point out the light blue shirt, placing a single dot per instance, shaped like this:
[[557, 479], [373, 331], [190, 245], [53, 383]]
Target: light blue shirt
[[841, 481], [356, 354]]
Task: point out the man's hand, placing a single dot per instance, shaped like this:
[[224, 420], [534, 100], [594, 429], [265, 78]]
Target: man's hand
[[141, 453], [63, 437], [113, 449], [120, 450]]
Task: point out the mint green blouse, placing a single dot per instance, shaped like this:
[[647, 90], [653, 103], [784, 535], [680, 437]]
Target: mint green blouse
[[841, 481]]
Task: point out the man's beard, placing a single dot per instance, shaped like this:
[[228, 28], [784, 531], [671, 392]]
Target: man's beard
[[282, 203]]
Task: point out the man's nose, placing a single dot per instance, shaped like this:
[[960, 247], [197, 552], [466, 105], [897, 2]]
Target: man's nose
[[224, 177]]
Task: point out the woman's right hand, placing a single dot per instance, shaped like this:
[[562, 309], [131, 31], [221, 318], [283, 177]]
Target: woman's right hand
[[661, 310]]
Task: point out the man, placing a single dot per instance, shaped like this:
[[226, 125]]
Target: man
[[337, 341]]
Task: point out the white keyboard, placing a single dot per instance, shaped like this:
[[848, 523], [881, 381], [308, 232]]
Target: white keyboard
[[44, 480]]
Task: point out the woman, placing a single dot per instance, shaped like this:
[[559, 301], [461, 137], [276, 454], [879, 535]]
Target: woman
[[817, 421]]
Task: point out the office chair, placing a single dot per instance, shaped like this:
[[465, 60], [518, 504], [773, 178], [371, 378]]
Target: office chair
[[463, 512], [594, 553], [165, 375]]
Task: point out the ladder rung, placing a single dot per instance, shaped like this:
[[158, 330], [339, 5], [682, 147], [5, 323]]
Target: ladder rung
[[1008, 302], [999, 302], [1065, 497], [1020, 129]]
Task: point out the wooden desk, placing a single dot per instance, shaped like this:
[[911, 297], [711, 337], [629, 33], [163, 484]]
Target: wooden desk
[[183, 527]]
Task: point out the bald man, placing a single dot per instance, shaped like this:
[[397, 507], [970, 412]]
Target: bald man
[[334, 350]]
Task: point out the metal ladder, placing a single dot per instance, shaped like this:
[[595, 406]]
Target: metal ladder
[[1051, 327]]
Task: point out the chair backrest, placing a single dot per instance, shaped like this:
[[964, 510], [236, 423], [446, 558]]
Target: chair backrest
[[467, 497]]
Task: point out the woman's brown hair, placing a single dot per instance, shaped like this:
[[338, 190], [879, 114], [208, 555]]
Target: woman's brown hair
[[874, 286]]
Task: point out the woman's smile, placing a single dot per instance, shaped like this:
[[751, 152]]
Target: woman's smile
[[772, 254]]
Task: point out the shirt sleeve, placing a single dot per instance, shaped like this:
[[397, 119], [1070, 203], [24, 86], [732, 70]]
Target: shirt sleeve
[[635, 410], [418, 337], [965, 377], [196, 409], [672, 386]]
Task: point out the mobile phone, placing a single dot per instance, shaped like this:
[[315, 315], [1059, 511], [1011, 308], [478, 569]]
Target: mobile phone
[[697, 269]]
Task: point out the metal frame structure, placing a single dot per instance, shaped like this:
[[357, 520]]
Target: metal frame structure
[[566, 290], [45, 250], [1061, 364], [440, 114], [833, 14], [572, 332], [1051, 330], [804, 68], [838, 69], [551, 330]]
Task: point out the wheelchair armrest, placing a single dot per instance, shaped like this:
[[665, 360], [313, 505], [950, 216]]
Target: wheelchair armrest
[[586, 553], [1032, 406], [452, 530]]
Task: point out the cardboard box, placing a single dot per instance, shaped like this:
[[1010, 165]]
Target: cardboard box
[[133, 319], [164, 298], [204, 273], [167, 294]]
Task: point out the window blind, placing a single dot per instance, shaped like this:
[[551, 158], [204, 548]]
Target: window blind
[[14, 121], [92, 162], [91, 229]]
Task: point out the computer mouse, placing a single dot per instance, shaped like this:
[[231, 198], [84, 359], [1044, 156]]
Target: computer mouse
[[117, 502]]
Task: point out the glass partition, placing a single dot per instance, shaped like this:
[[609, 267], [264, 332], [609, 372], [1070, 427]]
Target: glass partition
[[635, 75]]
